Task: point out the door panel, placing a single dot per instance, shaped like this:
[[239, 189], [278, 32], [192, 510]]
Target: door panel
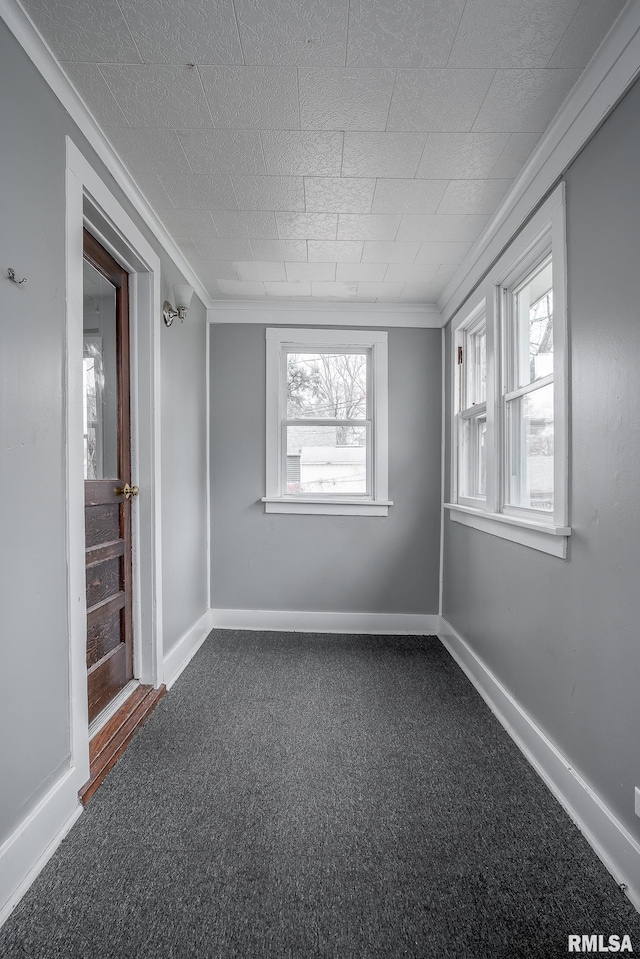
[[107, 469]]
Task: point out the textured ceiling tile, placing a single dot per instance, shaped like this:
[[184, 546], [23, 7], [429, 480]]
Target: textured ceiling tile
[[158, 96], [241, 288], [184, 31], [95, 92], [299, 288], [294, 251], [376, 251], [524, 101], [423, 292], [305, 272], [149, 151], [200, 191], [371, 272], [224, 249], [249, 225], [82, 30], [196, 224], [345, 99], [370, 289], [457, 156], [223, 151], [263, 98], [518, 33], [441, 227], [473, 196], [260, 270], [411, 272], [585, 32], [346, 290], [339, 195], [446, 271], [302, 153], [514, 155], [355, 226], [382, 154], [150, 185], [210, 271], [327, 251], [437, 100], [443, 252], [188, 248], [408, 196], [307, 226], [287, 31], [402, 33], [284, 193]]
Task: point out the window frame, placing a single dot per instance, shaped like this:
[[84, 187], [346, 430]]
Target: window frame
[[281, 341], [544, 235], [466, 411]]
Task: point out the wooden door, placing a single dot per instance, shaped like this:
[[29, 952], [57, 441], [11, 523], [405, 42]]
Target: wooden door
[[107, 436]]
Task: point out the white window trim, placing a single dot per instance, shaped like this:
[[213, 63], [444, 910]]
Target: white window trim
[[279, 341], [473, 319], [545, 231]]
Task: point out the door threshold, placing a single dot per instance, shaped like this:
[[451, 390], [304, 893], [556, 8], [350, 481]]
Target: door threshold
[[103, 717], [113, 737]]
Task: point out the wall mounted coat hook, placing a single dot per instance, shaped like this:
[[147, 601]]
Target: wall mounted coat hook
[[11, 273]]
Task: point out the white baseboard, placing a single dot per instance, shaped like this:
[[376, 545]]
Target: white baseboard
[[30, 847], [411, 624], [180, 655], [611, 841]]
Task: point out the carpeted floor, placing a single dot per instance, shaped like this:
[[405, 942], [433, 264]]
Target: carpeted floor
[[303, 796]]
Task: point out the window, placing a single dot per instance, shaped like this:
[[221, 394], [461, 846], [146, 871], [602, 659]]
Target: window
[[327, 422], [471, 357], [510, 405]]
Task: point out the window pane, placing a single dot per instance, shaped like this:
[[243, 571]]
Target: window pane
[[533, 311], [327, 386], [100, 376], [472, 457], [476, 350], [323, 460], [530, 440]]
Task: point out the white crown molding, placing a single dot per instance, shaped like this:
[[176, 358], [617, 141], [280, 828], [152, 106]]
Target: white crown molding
[[325, 313], [43, 58], [610, 840], [608, 76]]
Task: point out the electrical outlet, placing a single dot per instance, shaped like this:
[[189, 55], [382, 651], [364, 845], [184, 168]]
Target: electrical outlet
[[637, 794]]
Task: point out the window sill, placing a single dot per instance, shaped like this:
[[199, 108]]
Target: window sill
[[541, 536], [326, 507]]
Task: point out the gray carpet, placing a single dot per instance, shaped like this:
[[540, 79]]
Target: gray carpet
[[306, 796]]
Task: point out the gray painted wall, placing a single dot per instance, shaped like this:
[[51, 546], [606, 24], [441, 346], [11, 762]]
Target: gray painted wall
[[564, 636], [34, 694], [184, 467], [324, 563]]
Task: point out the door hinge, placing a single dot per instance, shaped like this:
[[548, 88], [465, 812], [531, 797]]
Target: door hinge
[[459, 356]]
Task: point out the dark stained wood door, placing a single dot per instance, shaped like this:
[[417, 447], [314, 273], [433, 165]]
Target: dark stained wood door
[[107, 436]]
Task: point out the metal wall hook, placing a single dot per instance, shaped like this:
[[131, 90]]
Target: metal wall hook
[[11, 273]]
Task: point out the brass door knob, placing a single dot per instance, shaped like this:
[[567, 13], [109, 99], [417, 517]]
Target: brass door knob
[[129, 491]]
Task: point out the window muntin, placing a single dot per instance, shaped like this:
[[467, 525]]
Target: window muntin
[[327, 421]]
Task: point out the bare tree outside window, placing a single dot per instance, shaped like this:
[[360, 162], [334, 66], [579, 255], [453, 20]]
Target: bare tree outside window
[[328, 386]]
